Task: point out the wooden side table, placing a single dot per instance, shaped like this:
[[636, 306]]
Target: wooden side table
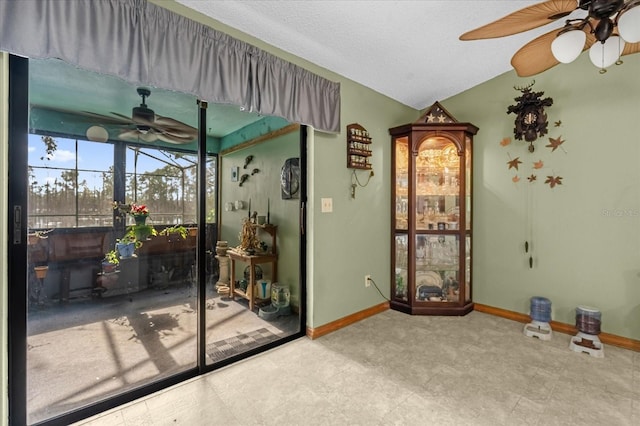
[[251, 260]]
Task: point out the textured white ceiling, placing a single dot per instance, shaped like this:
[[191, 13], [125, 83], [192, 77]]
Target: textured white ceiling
[[407, 50]]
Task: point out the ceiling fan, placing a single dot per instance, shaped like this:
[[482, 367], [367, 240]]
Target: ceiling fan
[[143, 124], [610, 29], [149, 127]]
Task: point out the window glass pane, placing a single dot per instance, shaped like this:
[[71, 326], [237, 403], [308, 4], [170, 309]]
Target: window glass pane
[[95, 156], [54, 152], [437, 268], [437, 185], [165, 182], [211, 190], [70, 182], [95, 199], [402, 182], [401, 267]]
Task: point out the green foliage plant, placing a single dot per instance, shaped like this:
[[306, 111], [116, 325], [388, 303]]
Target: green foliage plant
[[139, 233], [175, 229], [112, 257]]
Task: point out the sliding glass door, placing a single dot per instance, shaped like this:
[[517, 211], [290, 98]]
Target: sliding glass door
[[259, 230], [112, 237], [123, 239]]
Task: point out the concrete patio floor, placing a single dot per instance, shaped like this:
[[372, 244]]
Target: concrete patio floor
[[92, 348]]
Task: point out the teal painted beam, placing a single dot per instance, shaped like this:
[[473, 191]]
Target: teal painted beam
[[254, 130]]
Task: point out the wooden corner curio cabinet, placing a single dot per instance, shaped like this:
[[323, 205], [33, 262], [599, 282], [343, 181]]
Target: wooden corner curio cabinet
[[431, 215]]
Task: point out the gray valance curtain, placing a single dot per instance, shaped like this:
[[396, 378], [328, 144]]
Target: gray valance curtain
[[146, 44]]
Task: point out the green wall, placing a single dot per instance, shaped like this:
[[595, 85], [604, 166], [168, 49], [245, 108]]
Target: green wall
[[585, 233], [342, 246], [354, 240], [582, 255], [263, 187]]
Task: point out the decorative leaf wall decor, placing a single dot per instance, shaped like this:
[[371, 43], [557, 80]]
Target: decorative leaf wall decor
[[555, 143], [523, 165], [553, 180], [514, 163]]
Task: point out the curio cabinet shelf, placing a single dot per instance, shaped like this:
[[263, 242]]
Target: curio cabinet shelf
[[431, 215]]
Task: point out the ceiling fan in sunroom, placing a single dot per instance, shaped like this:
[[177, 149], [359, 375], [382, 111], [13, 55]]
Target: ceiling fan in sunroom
[[609, 29], [143, 124], [149, 127]]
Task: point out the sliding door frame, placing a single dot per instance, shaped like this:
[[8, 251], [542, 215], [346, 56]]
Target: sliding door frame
[[17, 262], [17, 244]]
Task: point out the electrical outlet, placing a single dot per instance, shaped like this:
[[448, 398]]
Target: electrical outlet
[[367, 280]]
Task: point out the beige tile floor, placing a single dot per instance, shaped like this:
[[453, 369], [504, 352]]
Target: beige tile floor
[[406, 370]]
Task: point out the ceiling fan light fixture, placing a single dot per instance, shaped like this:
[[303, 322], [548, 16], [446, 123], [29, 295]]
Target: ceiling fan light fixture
[[568, 45], [97, 134], [143, 129], [629, 24], [606, 53], [142, 113]]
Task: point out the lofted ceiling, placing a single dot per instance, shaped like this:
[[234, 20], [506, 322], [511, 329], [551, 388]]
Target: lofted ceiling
[[407, 50]]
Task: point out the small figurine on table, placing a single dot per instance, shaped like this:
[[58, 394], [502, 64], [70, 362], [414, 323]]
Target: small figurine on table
[[248, 240]]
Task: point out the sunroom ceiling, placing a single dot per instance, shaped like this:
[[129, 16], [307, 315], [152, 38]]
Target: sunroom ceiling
[[56, 84]]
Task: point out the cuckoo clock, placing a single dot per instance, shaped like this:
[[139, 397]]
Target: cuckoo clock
[[531, 120]]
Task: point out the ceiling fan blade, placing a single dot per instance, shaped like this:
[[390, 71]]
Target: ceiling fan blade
[[124, 117], [535, 56], [522, 20], [86, 116], [134, 135], [175, 128], [177, 133], [172, 123], [178, 140], [630, 48]]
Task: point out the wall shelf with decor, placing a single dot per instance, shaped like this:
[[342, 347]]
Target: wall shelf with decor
[[358, 147]]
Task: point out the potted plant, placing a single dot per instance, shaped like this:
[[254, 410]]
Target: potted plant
[[139, 212], [41, 271], [34, 237], [126, 246], [141, 232], [110, 261], [175, 233], [192, 229]]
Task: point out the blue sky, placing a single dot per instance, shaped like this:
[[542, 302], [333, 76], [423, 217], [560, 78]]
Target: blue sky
[[91, 156]]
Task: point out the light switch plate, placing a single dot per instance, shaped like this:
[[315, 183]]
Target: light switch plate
[[327, 205]]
